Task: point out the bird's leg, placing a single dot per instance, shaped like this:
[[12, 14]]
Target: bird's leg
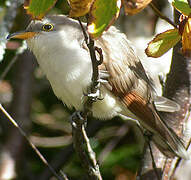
[[77, 119], [148, 137], [96, 94], [152, 157]]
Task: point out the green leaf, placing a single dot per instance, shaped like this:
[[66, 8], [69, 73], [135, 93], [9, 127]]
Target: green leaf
[[120, 156], [102, 15], [182, 6], [162, 43], [38, 8]]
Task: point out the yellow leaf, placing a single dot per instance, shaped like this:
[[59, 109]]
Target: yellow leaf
[[134, 6], [162, 43], [79, 7], [186, 38]]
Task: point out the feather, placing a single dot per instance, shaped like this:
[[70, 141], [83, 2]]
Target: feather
[[129, 82], [165, 105]]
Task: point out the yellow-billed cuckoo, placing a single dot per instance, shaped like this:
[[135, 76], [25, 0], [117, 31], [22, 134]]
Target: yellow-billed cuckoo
[[58, 44]]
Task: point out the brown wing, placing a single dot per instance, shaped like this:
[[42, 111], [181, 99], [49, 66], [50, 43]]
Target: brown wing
[[127, 78], [128, 81]]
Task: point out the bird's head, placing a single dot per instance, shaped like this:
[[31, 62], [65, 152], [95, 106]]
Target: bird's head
[[47, 26], [47, 35]]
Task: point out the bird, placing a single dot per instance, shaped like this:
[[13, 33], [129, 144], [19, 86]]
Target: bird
[[58, 43]]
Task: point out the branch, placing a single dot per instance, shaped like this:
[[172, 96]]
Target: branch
[[63, 157], [120, 133], [30, 143], [83, 148], [162, 16], [22, 98], [178, 88], [19, 51], [78, 120]]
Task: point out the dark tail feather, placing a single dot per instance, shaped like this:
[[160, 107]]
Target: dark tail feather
[[167, 141]]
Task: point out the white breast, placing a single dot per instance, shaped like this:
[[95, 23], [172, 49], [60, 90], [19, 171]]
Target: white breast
[[68, 68]]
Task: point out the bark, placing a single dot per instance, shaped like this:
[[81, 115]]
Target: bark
[[178, 89], [20, 110]]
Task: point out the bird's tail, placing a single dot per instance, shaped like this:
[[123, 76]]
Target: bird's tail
[[167, 141], [163, 136]]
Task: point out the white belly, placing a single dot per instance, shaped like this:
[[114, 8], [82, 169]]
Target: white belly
[[69, 71], [70, 88]]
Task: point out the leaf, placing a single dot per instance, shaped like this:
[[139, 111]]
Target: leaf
[[102, 14], [79, 7], [121, 155], [162, 43], [132, 7], [182, 6], [186, 38], [38, 8], [63, 6]]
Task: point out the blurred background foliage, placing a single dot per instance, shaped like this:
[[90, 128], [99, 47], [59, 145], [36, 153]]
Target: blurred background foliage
[[27, 95]]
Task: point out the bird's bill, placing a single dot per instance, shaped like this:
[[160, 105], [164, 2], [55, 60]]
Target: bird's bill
[[21, 35]]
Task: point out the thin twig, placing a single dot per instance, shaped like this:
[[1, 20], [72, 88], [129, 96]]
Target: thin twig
[[95, 63], [120, 133], [78, 120], [162, 16], [147, 135], [64, 156], [8, 67], [83, 148], [19, 51], [153, 160], [31, 144], [84, 32]]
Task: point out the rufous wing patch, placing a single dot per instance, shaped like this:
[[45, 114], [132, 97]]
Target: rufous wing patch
[[140, 107]]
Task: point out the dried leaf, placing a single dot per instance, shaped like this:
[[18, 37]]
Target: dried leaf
[[182, 6], [162, 43], [186, 38], [102, 14], [26, 3], [134, 6], [79, 7], [38, 8]]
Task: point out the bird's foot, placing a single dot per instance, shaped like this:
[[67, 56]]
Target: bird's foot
[[76, 119], [94, 94]]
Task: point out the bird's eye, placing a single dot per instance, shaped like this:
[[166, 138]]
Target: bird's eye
[[47, 27]]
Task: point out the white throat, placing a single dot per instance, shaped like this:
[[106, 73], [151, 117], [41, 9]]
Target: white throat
[[64, 63]]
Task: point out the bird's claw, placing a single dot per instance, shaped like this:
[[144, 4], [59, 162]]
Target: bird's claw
[[76, 118], [95, 95]]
